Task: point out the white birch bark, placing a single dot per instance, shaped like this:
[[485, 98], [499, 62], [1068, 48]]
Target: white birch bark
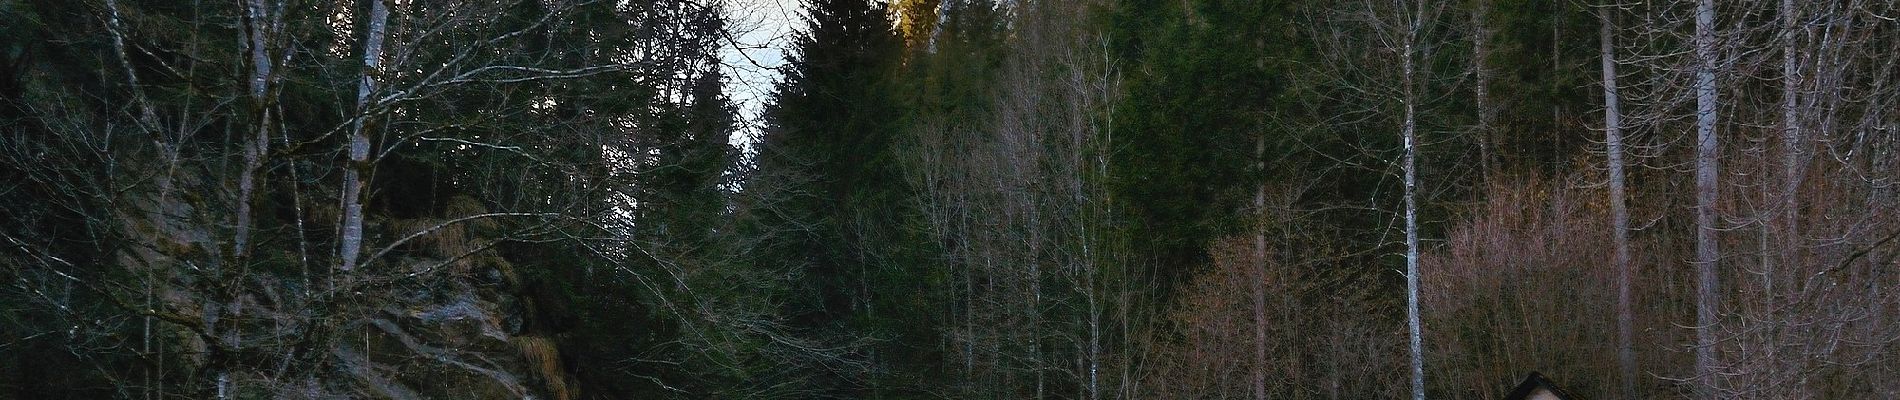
[[258, 30], [1706, 170], [353, 182], [1619, 209], [1409, 131]]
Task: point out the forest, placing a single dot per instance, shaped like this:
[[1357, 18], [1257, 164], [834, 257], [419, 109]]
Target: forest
[[949, 199]]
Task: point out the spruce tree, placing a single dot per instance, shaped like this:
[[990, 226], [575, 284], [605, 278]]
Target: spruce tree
[[827, 194]]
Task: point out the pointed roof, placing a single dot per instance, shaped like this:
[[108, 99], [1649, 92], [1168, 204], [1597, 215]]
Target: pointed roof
[[1537, 387]]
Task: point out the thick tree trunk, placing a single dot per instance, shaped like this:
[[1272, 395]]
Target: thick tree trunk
[[1706, 179], [1619, 209], [353, 182]]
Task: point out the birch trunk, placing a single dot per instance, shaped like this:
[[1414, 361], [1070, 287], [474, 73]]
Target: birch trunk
[[258, 30], [353, 182], [1707, 253], [1619, 210], [1409, 132]]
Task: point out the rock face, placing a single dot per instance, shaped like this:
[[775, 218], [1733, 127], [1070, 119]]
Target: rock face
[[451, 346], [439, 319]]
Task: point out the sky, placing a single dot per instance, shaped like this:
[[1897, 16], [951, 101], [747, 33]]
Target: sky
[[762, 30]]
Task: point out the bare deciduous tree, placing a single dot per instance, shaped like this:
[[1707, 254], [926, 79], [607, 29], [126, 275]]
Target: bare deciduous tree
[[1707, 189], [1619, 209]]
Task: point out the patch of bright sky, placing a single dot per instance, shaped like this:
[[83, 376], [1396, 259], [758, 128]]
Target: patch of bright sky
[[762, 30]]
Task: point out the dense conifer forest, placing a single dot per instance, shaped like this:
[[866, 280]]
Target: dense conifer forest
[[964, 199]]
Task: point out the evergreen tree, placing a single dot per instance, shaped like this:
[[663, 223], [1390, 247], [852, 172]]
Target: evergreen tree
[[1206, 79], [828, 199]]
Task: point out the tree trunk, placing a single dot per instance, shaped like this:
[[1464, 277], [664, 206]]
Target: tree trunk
[[1792, 146], [1487, 112], [353, 182], [1409, 131], [258, 30], [1706, 180], [1619, 210]]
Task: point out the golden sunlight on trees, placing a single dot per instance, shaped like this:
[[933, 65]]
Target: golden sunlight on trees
[[916, 20]]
